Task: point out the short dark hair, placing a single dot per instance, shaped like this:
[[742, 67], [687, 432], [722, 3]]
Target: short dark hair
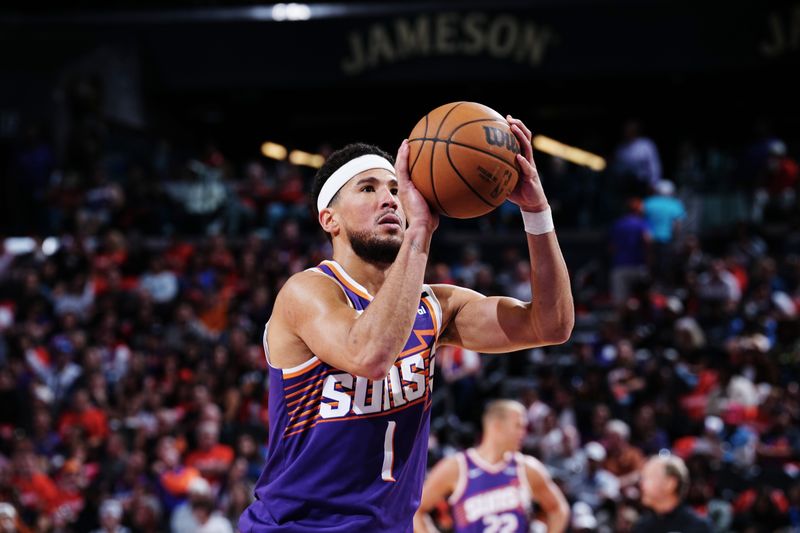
[[336, 160]]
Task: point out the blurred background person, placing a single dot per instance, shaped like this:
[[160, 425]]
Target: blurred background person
[[664, 485], [493, 484]]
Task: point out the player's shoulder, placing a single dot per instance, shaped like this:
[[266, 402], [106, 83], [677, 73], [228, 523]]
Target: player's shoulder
[[533, 466], [453, 296], [450, 465], [446, 474], [447, 289], [307, 288]]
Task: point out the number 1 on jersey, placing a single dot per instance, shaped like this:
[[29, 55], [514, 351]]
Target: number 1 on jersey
[[388, 452]]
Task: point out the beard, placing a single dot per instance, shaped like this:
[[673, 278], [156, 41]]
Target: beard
[[373, 249]]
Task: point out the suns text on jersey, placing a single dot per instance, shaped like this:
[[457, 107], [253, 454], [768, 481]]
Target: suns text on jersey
[[492, 502], [408, 380]]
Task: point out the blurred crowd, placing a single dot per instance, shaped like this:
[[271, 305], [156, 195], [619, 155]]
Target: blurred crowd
[[133, 380]]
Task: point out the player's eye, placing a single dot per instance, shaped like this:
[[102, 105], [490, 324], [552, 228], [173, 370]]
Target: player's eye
[[367, 188], [394, 191]]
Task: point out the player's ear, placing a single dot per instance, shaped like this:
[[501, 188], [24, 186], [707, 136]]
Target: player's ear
[[328, 221]]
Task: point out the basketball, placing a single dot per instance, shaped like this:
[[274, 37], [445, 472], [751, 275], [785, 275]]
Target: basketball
[[462, 159]]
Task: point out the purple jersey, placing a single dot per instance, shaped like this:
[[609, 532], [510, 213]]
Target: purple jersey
[[491, 498], [347, 453]]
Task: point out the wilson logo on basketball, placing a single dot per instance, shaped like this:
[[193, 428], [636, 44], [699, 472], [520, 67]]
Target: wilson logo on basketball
[[498, 137]]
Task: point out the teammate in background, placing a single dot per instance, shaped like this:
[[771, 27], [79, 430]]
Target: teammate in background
[[491, 488], [351, 344]]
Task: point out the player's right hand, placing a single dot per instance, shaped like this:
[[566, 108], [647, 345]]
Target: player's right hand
[[418, 212]]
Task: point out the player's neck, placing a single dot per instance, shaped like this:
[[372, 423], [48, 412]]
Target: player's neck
[[370, 275], [491, 453]]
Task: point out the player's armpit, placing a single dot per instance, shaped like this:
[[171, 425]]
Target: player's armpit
[[312, 316], [493, 324], [439, 484]]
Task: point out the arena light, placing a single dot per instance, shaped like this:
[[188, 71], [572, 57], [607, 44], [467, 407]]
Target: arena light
[[273, 150], [50, 245], [299, 157], [569, 153], [281, 12], [19, 245]]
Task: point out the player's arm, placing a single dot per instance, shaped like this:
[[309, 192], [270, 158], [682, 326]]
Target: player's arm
[[502, 324], [548, 495], [440, 483], [314, 316]]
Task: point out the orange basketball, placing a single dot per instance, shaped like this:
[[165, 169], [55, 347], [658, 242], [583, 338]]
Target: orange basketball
[[462, 159]]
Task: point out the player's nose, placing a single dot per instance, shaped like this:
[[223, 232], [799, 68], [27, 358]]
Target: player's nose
[[388, 199]]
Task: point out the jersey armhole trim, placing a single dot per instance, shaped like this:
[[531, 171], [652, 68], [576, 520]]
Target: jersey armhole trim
[[298, 369], [286, 371], [461, 482], [525, 483], [437, 309], [317, 270]]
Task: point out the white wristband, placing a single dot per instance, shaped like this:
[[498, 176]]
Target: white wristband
[[538, 223]]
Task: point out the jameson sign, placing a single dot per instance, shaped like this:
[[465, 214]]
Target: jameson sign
[[500, 36], [564, 39]]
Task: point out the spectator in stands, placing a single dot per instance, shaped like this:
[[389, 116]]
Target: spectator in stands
[[84, 416], [182, 519], [520, 286], [636, 160], [36, 491], [763, 508], [9, 519], [56, 369], [210, 457], [460, 369], [160, 283], [777, 182], [649, 436], [208, 519], [200, 195], [111, 518], [145, 513], [665, 482], [629, 241], [583, 518], [558, 442], [664, 214], [717, 290], [591, 483], [622, 459], [174, 477], [467, 269]]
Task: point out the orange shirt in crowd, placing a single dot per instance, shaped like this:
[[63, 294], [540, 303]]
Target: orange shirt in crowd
[[176, 481], [92, 420], [37, 492], [218, 454]]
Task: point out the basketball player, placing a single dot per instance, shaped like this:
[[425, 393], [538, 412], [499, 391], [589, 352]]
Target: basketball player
[[350, 346], [491, 488]]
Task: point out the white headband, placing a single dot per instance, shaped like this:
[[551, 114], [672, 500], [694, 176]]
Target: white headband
[[347, 172]]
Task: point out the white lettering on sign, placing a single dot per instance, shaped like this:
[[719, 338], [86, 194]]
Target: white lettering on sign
[[501, 36]]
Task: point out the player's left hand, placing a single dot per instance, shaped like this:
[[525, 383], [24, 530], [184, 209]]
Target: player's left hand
[[528, 194]]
